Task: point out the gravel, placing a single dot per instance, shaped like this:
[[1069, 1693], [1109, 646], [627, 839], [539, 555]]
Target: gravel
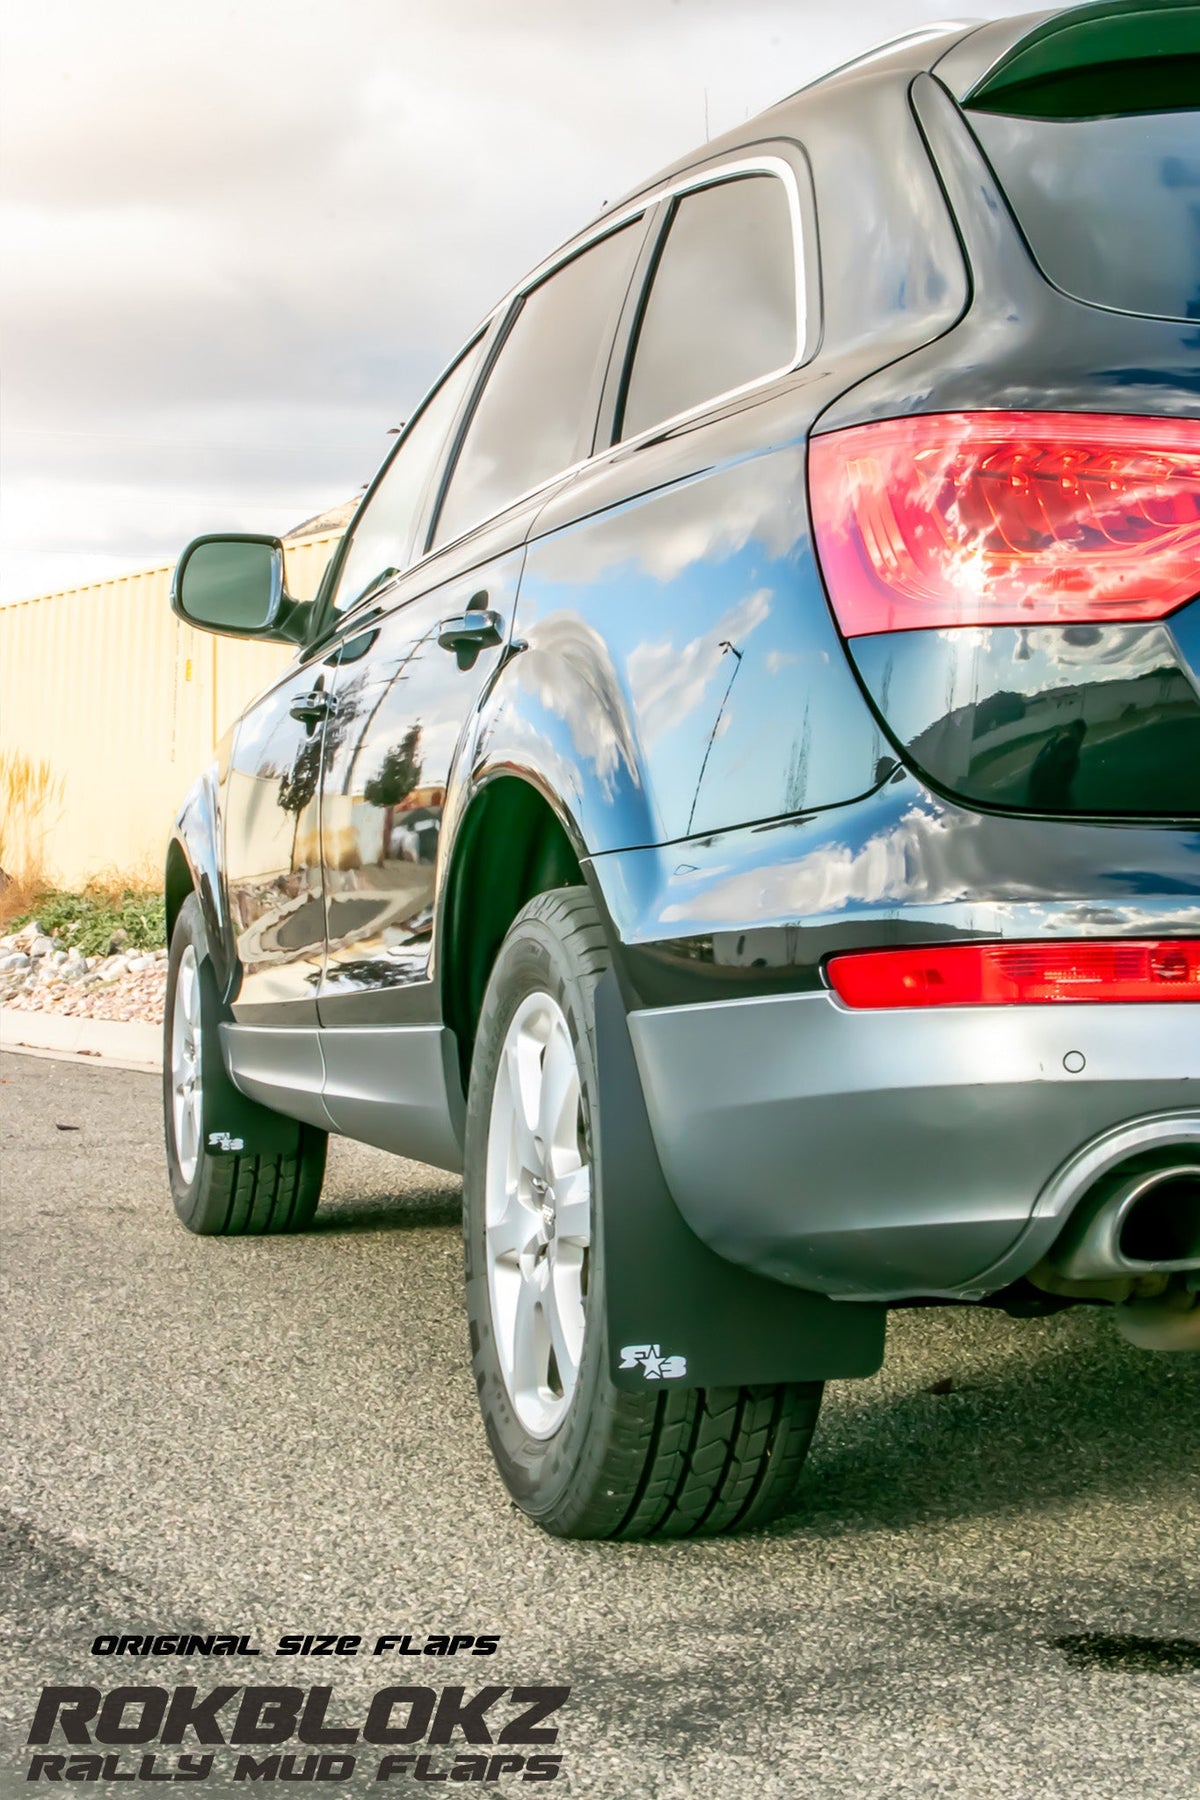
[[39, 975]]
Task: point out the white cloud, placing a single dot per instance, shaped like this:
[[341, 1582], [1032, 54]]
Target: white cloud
[[245, 226]]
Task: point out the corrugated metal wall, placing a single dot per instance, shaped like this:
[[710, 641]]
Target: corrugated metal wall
[[126, 704]]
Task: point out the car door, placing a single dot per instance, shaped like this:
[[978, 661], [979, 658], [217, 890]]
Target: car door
[[414, 691], [272, 794], [385, 778], [271, 803]]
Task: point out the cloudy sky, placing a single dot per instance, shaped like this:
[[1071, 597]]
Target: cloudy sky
[[242, 238]]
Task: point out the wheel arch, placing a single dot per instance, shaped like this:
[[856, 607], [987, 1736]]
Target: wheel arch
[[178, 882], [193, 865], [512, 842]]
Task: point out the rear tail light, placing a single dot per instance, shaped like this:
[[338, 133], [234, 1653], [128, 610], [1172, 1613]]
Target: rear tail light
[[1006, 519], [1019, 974]]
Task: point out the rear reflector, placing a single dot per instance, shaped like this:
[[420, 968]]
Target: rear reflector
[[1006, 519], [1019, 974]]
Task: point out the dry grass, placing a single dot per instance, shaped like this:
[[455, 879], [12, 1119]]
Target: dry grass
[[31, 797]]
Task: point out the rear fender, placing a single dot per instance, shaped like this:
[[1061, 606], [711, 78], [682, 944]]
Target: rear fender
[[557, 717]]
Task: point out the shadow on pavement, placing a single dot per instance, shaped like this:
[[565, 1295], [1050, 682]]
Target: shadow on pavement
[[391, 1212], [1066, 1410]]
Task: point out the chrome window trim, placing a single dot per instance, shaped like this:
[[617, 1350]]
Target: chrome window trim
[[337, 562], [710, 176], [769, 165], [707, 175]]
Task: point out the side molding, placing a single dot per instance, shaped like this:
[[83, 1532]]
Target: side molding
[[281, 1068], [397, 1087], [676, 1311]]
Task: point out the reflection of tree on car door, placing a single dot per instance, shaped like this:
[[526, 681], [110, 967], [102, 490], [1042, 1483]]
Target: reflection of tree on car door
[[273, 842], [384, 790]]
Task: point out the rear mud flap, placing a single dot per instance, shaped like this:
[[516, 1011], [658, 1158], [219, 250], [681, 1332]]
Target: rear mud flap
[[676, 1311]]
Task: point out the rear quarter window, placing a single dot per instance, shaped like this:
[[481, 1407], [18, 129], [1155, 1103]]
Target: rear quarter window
[[722, 306]]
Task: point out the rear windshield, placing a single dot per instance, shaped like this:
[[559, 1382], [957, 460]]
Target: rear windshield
[[1110, 207], [1092, 125]]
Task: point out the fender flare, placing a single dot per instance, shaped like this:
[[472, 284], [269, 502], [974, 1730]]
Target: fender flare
[[194, 864]]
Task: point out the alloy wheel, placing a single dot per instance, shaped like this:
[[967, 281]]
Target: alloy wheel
[[538, 1214], [186, 1082]]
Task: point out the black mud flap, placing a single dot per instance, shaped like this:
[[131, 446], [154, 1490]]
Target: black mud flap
[[234, 1125], [676, 1311]]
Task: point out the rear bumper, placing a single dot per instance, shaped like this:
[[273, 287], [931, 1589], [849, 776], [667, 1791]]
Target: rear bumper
[[886, 1154]]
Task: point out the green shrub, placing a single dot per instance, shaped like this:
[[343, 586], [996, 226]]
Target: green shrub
[[89, 919]]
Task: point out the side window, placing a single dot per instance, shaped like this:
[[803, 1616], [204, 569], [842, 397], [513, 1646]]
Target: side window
[[722, 305], [382, 545], [533, 417]]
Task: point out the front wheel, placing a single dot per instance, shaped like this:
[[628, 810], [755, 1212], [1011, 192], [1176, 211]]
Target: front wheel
[[579, 1456], [217, 1192]]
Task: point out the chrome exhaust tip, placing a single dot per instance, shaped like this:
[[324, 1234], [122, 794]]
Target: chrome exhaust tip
[[1143, 1223]]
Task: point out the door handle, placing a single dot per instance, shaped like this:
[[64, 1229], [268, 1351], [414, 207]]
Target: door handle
[[469, 633], [311, 708]]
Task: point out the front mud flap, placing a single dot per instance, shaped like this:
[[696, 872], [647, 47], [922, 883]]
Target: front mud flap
[[235, 1125], [675, 1310]]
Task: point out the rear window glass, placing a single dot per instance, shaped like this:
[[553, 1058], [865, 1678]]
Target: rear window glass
[[1110, 207], [722, 306], [536, 414]]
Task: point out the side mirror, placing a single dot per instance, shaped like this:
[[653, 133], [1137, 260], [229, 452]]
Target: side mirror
[[234, 585]]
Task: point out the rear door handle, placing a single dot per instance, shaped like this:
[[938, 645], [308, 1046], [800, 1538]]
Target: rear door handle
[[469, 633], [311, 708]]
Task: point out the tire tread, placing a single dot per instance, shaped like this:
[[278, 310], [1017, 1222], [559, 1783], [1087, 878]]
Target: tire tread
[[676, 1463]]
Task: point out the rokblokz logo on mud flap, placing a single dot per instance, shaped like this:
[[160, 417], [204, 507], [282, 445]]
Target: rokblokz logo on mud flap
[[269, 1733]]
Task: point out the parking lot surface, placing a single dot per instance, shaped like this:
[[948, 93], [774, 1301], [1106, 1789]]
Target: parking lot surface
[[991, 1589]]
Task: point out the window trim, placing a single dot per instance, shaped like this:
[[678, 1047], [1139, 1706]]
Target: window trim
[[653, 205], [719, 176], [329, 614], [509, 310]]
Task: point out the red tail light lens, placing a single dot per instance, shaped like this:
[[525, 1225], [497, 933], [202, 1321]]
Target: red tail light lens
[[1006, 519], [1019, 974]]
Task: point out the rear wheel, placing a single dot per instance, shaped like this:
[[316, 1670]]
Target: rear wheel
[[579, 1456], [218, 1192]]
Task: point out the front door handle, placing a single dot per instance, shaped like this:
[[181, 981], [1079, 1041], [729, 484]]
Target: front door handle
[[311, 708], [469, 633]]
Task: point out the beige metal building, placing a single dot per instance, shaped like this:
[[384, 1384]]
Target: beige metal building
[[125, 704]]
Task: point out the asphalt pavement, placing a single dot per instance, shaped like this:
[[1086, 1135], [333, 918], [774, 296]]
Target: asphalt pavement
[[991, 1588]]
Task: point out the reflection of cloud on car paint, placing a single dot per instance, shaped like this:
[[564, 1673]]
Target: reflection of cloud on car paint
[[665, 533], [668, 682]]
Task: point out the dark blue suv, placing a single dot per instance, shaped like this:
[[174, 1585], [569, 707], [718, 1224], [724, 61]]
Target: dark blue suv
[[737, 792]]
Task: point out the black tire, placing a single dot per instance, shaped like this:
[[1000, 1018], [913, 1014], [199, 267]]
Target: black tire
[[619, 1465], [231, 1195]]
